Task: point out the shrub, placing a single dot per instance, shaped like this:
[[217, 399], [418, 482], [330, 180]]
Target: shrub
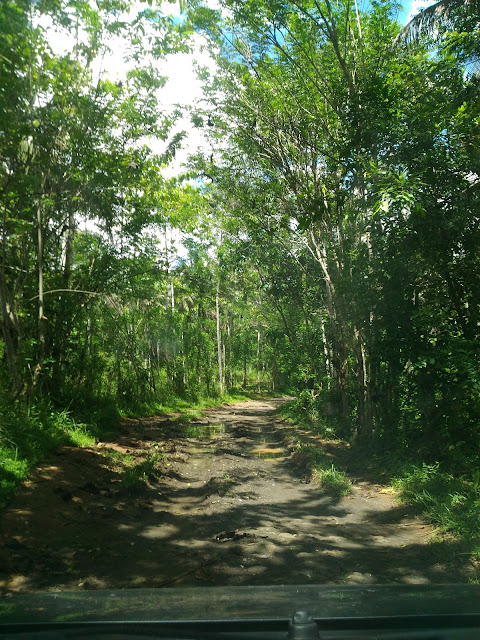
[[319, 465]]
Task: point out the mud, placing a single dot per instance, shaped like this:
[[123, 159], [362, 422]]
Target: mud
[[225, 505]]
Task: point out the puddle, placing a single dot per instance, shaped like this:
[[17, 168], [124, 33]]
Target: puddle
[[208, 431], [268, 452], [201, 450]]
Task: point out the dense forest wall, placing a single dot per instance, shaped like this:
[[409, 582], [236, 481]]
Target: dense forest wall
[[95, 299], [348, 156]]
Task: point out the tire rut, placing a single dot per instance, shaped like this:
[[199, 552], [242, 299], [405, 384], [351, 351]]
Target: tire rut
[[224, 505]]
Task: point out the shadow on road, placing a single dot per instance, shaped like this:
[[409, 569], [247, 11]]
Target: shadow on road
[[217, 518]]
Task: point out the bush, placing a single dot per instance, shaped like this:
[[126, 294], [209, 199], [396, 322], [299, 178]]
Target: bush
[[449, 502], [333, 480], [27, 434], [308, 411], [319, 465]]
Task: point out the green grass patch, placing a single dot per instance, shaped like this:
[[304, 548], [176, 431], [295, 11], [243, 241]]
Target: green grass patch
[[27, 434], [291, 439], [313, 459], [448, 493], [190, 409], [333, 480], [321, 469], [305, 414], [450, 503], [12, 472], [293, 412], [117, 458], [135, 478]]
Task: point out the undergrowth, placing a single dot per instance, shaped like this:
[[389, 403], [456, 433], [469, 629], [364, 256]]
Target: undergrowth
[[322, 470], [27, 434], [189, 408], [447, 491], [318, 464], [135, 477], [305, 413], [452, 504]]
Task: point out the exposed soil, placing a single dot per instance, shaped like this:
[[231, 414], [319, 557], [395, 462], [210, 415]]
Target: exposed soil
[[227, 507]]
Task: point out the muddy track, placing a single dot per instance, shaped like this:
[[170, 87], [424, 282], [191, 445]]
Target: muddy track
[[226, 505]]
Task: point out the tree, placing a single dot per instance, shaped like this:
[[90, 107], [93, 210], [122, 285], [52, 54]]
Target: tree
[[441, 16], [453, 25], [349, 149], [73, 149]]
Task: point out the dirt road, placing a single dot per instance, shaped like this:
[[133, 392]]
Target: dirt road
[[225, 505]]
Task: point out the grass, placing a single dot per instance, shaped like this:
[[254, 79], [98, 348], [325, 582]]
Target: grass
[[317, 463], [222, 485], [227, 477], [188, 408], [135, 478], [321, 469], [134, 475], [27, 434], [117, 458], [292, 412], [452, 504], [304, 413]]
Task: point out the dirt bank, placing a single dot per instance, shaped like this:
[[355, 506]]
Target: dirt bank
[[225, 505]]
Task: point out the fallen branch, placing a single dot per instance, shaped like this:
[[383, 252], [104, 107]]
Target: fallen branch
[[91, 293], [164, 583]]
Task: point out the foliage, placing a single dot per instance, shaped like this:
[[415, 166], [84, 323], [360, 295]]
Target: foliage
[[451, 503], [27, 435], [321, 470], [326, 245], [346, 168], [311, 412]]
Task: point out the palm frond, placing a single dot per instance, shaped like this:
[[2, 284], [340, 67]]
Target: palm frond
[[438, 16]]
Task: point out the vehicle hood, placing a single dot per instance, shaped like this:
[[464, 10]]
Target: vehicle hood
[[241, 603]]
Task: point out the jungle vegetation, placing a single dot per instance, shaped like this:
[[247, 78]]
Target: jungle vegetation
[[326, 244]]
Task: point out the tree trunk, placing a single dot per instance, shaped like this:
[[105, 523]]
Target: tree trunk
[[219, 340], [326, 352], [229, 352], [41, 316], [258, 360], [9, 325], [244, 377]]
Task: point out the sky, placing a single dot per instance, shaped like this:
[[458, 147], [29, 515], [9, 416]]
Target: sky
[[411, 8], [183, 86]]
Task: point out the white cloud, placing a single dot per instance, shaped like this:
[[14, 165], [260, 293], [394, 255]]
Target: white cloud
[[182, 88]]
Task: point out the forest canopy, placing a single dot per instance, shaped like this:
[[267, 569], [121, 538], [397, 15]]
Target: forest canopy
[[329, 235]]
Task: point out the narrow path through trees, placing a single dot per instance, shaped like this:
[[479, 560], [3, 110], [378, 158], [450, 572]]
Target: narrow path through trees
[[220, 502]]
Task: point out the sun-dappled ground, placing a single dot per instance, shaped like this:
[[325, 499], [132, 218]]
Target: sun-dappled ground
[[216, 502]]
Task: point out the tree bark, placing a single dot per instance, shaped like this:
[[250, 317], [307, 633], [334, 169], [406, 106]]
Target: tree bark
[[9, 325], [219, 339], [41, 315], [258, 359]]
